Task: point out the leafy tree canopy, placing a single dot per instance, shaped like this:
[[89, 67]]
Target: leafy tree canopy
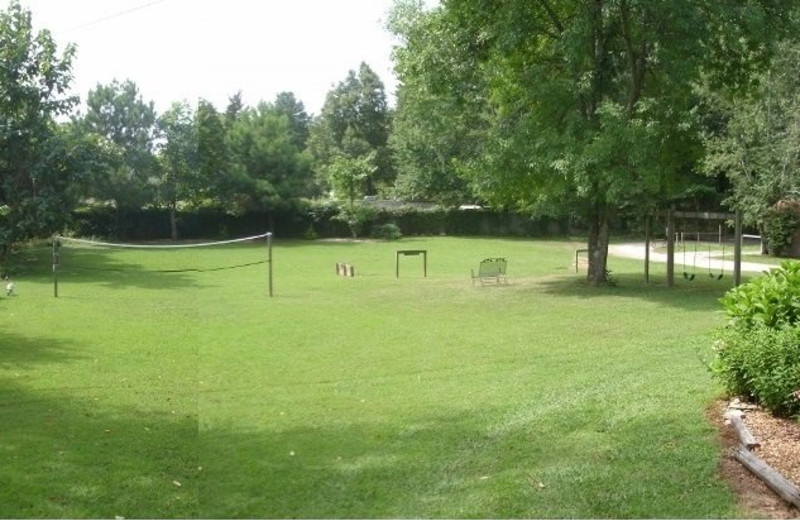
[[590, 106], [269, 164], [177, 157], [435, 130], [355, 121], [118, 113], [756, 141], [34, 78]]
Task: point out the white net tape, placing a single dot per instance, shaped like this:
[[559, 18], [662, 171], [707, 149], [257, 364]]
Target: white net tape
[[95, 243], [168, 258]]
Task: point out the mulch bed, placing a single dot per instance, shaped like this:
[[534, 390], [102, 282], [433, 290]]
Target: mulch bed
[[780, 448]]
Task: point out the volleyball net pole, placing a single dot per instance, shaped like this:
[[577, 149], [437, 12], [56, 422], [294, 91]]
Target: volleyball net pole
[[269, 262], [55, 266]]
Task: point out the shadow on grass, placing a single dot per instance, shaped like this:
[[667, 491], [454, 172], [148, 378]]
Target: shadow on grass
[[454, 466], [65, 458], [105, 267], [359, 469], [119, 269], [700, 295], [23, 352]]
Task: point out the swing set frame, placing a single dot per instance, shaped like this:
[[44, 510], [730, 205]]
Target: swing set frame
[[671, 215]]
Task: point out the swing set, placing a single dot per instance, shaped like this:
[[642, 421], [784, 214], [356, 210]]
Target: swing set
[[672, 237], [690, 276]]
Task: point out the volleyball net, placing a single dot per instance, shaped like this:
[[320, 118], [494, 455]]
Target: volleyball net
[[74, 256]]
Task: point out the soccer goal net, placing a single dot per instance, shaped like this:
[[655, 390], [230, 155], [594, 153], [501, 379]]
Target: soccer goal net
[[88, 258]]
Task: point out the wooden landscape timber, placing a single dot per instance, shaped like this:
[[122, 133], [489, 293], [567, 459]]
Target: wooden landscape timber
[[745, 437], [777, 482], [772, 478]]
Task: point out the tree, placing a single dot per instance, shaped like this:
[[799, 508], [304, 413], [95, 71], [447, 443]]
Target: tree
[[286, 104], [234, 109], [270, 166], [348, 176], [355, 121], [588, 105], [756, 144], [118, 113], [177, 155], [86, 156], [213, 169], [34, 79], [433, 131]]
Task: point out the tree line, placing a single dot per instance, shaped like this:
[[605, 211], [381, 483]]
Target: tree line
[[118, 151], [603, 109]]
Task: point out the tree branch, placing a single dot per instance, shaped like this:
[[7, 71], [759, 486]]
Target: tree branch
[[637, 59], [552, 15]]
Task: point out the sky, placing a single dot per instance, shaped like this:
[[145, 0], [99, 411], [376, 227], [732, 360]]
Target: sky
[[176, 50]]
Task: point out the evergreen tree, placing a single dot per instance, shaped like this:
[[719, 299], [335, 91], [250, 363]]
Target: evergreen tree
[[354, 122]]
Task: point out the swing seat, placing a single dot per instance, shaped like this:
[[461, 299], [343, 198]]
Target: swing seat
[[712, 275]]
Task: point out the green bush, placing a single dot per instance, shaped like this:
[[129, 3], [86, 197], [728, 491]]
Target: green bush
[[387, 232], [757, 353], [761, 363], [357, 217], [310, 233], [780, 226], [772, 299]]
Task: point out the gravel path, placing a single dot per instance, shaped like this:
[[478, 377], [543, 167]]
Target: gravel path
[[701, 260]]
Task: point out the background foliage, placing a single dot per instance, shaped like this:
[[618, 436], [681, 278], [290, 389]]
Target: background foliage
[[590, 112]]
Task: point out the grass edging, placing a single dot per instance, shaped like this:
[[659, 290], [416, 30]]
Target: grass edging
[[766, 473]]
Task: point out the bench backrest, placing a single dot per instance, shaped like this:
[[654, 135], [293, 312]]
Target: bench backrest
[[492, 267]]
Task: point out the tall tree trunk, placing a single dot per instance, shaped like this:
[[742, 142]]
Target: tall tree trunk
[[598, 244], [173, 222], [118, 222]]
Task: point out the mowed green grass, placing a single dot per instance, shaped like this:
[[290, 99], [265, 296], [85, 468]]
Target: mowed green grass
[[149, 394]]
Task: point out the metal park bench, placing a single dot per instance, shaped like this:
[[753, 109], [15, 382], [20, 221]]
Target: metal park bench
[[491, 270]]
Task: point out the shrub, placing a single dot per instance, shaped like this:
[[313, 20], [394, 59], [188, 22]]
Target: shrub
[[757, 354], [310, 233], [780, 225], [761, 363], [772, 299], [387, 232], [357, 217]]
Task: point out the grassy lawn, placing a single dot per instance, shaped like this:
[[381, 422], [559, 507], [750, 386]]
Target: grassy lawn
[[150, 394]]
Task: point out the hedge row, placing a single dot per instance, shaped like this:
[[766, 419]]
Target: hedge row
[[308, 220]]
